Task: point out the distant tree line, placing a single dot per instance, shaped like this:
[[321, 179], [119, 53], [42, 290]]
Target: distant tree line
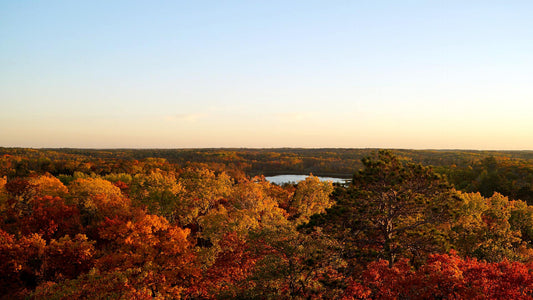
[[509, 173]]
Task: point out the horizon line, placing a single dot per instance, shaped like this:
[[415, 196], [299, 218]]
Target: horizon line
[[263, 148]]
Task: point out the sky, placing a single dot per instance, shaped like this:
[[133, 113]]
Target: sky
[[449, 74]]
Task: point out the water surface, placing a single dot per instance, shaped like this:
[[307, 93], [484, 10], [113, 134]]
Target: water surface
[[289, 178]]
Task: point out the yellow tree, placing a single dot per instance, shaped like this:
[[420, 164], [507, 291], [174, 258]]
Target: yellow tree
[[85, 189], [483, 230], [158, 191], [248, 208], [48, 185], [202, 190], [312, 196], [96, 198]]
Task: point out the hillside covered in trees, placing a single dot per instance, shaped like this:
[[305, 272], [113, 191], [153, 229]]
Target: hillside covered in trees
[[205, 224]]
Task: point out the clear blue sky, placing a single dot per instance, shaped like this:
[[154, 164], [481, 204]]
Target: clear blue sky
[[171, 74]]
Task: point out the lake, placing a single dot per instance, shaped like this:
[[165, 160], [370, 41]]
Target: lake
[[281, 179]]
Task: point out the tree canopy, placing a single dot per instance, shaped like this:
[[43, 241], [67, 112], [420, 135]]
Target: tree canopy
[[113, 228]]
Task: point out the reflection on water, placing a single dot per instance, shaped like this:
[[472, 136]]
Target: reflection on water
[[281, 179]]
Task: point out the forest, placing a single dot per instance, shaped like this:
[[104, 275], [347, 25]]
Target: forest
[[205, 224]]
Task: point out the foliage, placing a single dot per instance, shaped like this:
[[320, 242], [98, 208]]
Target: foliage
[[444, 276], [392, 208], [312, 196], [197, 224], [483, 228]]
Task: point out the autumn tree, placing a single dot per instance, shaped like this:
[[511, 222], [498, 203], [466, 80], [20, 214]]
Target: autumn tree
[[158, 191], [50, 217], [27, 211], [312, 196], [295, 265], [20, 192], [97, 198], [491, 228], [67, 258], [48, 185], [3, 195], [85, 189], [248, 207], [202, 190], [20, 264], [226, 276], [521, 219], [155, 254], [97, 285], [444, 276]]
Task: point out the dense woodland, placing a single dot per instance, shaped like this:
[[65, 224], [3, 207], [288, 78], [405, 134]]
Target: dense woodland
[[205, 224]]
